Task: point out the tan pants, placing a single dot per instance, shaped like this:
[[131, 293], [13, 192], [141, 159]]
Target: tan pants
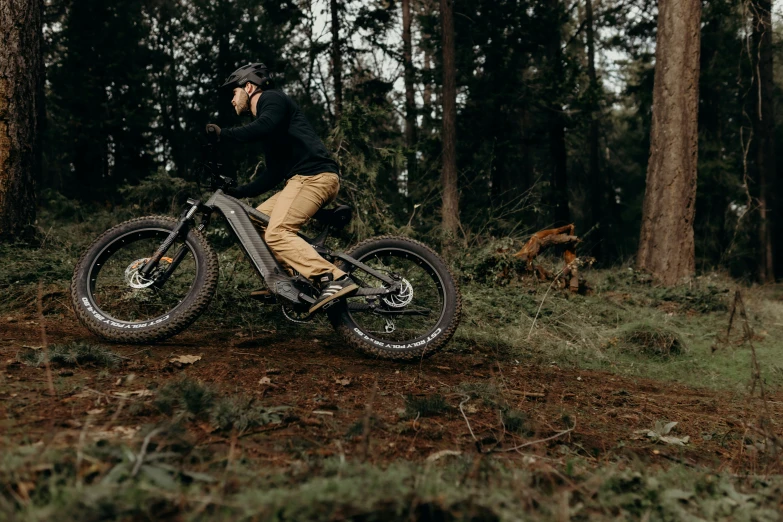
[[291, 208]]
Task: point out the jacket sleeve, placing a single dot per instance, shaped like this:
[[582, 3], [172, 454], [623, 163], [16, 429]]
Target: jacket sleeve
[[271, 111], [263, 182]]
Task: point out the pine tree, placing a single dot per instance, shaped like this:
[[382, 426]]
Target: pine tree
[[666, 246], [21, 112]]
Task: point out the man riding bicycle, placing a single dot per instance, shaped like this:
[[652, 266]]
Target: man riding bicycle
[[294, 153]]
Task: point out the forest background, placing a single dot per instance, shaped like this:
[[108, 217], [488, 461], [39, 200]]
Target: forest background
[[554, 104], [626, 400]]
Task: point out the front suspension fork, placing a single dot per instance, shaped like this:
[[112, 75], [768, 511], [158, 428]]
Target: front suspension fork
[[182, 226]]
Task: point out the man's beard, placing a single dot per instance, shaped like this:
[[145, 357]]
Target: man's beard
[[243, 105]]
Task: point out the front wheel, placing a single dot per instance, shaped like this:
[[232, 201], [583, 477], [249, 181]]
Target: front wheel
[[115, 302], [412, 323]]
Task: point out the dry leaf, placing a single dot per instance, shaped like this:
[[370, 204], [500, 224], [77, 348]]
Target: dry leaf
[[96, 411], [186, 359]]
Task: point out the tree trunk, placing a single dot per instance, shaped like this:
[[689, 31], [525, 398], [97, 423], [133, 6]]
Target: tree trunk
[[557, 146], [666, 246], [450, 208], [598, 197], [764, 131], [21, 112], [337, 62], [410, 101], [426, 95]]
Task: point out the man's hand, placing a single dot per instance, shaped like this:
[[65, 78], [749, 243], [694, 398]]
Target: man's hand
[[213, 133]]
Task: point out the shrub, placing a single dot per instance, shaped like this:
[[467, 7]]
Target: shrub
[[650, 339]]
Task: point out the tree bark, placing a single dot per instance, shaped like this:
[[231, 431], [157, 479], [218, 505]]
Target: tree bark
[[21, 112], [426, 95], [450, 208], [337, 62], [764, 130], [557, 146], [410, 101], [598, 199], [666, 245]]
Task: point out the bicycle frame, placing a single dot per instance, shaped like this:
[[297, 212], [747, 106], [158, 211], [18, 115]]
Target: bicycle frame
[[238, 215]]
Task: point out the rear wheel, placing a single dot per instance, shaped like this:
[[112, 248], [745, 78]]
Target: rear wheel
[[415, 321], [115, 302]]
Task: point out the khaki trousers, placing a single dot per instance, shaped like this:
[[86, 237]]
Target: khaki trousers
[[291, 208]]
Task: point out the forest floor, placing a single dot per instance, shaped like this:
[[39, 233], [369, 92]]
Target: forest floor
[[634, 402]]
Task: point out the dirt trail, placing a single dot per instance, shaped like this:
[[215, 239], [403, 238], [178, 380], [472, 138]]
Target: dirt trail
[[328, 388]]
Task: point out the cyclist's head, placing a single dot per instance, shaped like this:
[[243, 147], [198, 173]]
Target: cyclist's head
[[246, 81]]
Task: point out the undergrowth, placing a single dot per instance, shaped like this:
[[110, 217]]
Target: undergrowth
[[192, 485], [190, 399], [73, 354]]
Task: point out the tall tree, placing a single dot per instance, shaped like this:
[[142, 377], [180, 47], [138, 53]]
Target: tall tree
[[410, 78], [450, 208], [598, 197], [666, 246], [763, 118], [337, 60], [557, 144], [21, 111]]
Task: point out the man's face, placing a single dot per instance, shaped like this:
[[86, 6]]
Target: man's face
[[241, 101]]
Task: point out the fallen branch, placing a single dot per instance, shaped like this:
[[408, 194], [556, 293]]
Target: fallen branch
[[561, 236], [539, 441]]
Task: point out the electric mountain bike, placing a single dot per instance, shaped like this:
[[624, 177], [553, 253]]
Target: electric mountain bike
[[149, 278]]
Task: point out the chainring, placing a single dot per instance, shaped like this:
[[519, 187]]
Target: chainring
[[295, 316]]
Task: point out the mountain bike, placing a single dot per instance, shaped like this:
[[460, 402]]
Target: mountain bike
[[149, 278]]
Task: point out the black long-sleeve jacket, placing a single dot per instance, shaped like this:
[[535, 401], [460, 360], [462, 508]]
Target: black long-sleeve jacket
[[289, 142]]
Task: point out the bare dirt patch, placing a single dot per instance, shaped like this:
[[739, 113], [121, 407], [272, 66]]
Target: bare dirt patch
[[343, 404]]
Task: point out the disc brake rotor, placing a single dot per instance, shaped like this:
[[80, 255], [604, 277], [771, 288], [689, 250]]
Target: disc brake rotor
[[135, 280], [403, 297]]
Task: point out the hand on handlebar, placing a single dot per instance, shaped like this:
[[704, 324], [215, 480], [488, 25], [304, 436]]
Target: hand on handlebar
[[213, 133]]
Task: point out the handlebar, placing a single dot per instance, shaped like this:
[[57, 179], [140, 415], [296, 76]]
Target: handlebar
[[211, 162]]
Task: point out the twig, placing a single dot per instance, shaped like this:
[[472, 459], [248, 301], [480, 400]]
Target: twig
[[366, 422], [143, 452], [544, 299], [556, 435], [467, 398], [44, 340]]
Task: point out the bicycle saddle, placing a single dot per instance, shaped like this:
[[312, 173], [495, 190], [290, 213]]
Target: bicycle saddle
[[337, 217]]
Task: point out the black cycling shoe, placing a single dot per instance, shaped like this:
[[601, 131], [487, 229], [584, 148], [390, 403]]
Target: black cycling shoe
[[333, 290]]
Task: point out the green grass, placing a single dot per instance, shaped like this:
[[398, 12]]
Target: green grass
[[606, 330], [73, 354], [193, 485]]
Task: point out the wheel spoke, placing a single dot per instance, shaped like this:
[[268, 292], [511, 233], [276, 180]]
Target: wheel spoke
[[122, 294], [418, 305]]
